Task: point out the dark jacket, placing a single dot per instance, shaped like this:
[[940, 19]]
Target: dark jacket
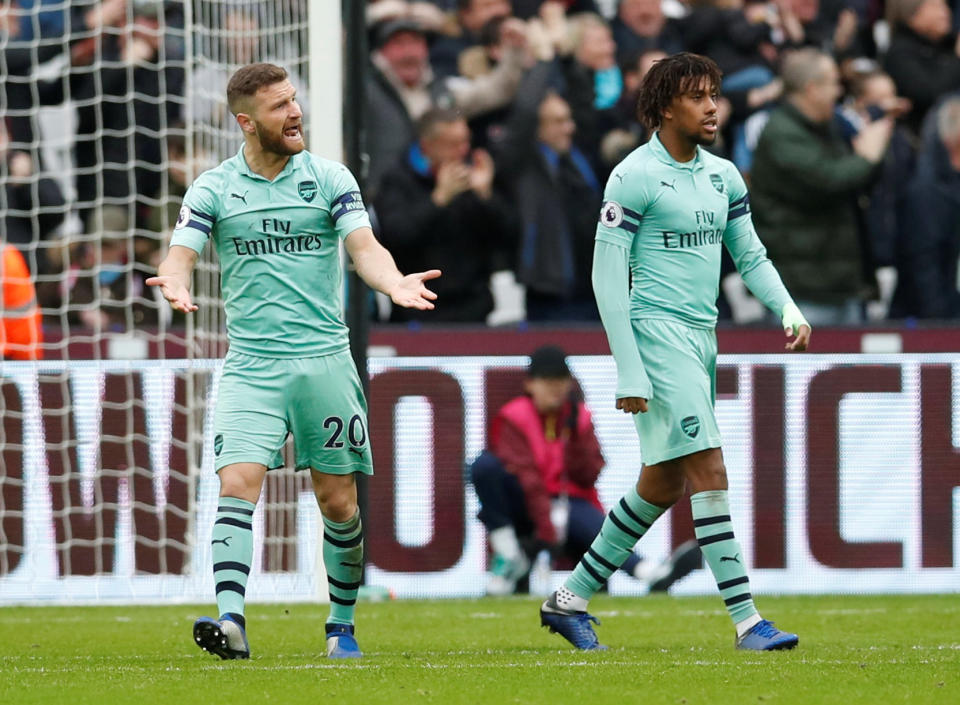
[[804, 182], [390, 129], [29, 220], [928, 280], [463, 239], [558, 198], [726, 36], [923, 70], [631, 45]]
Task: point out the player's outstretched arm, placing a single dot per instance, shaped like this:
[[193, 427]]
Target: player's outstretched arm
[[376, 267], [173, 278]]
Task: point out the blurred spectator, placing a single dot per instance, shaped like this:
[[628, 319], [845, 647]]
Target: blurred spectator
[[630, 133], [125, 91], [595, 50], [537, 481], [805, 179], [737, 36], [432, 15], [207, 104], [23, 25], [472, 17], [401, 87], [436, 206], [923, 55], [829, 25], [640, 25], [182, 169], [101, 290], [34, 208], [21, 335], [482, 60], [928, 287], [885, 228], [557, 193], [527, 9]]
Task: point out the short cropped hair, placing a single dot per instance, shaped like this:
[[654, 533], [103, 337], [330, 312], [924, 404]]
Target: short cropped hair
[[427, 125], [801, 67], [670, 78], [250, 79], [861, 81]]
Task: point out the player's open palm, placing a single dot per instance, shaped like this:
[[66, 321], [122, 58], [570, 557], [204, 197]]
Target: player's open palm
[[410, 292], [175, 292]]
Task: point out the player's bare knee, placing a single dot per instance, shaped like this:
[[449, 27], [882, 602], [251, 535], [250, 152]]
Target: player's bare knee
[[661, 489], [337, 506], [336, 495], [237, 485], [704, 477]]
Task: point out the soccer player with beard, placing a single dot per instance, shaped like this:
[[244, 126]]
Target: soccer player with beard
[[276, 215], [667, 209]]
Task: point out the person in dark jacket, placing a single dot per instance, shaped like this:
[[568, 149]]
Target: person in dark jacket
[[437, 205], [928, 286], [557, 192], [885, 227], [33, 206], [805, 178], [924, 54], [640, 25], [536, 481], [401, 87]]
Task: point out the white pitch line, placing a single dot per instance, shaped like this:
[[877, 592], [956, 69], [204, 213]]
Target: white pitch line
[[478, 666]]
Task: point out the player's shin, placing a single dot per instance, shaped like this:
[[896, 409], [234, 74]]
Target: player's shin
[[343, 559], [720, 548], [626, 524], [232, 550]]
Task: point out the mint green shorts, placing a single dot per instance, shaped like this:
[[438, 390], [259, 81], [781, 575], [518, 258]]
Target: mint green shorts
[[681, 363], [317, 399]]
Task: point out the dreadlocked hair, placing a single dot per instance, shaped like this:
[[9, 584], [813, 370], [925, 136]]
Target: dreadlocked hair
[[670, 78]]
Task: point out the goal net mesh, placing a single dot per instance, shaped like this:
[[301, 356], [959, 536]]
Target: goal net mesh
[[109, 110]]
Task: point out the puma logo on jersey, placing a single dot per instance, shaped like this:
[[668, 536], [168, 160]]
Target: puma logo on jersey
[[671, 184], [241, 197]]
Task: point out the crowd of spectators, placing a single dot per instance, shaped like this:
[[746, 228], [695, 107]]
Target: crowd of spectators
[[842, 115], [491, 128]]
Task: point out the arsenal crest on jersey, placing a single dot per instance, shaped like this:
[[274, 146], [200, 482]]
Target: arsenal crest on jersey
[[717, 182], [307, 190]]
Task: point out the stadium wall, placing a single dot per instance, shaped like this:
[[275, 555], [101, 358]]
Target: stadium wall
[[843, 471]]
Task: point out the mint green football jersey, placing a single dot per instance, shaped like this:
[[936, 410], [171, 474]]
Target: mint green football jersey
[[673, 218], [278, 246]]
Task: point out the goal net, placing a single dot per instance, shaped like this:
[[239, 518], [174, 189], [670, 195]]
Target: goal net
[[109, 110]]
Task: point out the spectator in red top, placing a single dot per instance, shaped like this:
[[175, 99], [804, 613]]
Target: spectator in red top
[[536, 482]]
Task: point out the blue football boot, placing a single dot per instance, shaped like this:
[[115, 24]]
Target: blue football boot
[[573, 626], [225, 638], [341, 643], [763, 636]]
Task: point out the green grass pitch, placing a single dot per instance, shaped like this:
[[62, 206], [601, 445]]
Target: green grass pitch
[[862, 649]]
